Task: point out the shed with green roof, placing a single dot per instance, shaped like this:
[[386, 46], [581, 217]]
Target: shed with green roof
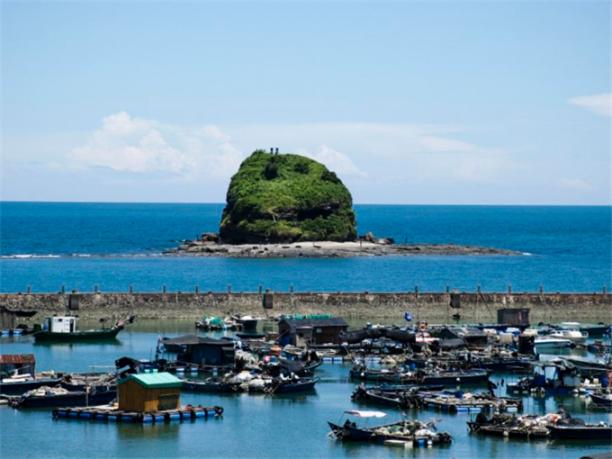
[[143, 392]]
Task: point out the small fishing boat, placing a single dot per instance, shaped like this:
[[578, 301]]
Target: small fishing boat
[[63, 329], [602, 399], [457, 402], [215, 323], [212, 385], [408, 432], [575, 336], [551, 343], [403, 399], [504, 425], [455, 377], [20, 384], [45, 396], [95, 381], [280, 386]]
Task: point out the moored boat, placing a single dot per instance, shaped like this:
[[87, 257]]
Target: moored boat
[[63, 329], [44, 397], [24, 383], [279, 386], [410, 432]]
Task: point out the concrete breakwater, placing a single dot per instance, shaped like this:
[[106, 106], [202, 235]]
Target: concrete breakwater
[[389, 307]]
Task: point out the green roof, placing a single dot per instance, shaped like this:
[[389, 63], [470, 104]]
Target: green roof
[[155, 380]]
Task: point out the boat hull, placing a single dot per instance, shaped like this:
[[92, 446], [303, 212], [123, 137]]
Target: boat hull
[[581, 432], [93, 335], [65, 400]]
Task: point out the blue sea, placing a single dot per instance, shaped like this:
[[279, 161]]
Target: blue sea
[[45, 246]]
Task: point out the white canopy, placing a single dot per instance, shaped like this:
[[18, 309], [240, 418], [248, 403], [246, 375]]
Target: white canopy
[[366, 414]]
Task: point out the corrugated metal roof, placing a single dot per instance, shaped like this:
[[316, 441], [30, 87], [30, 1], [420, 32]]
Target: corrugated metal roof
[[155, 380], [16, 358]]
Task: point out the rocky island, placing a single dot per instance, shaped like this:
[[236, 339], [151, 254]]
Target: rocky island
[[287, 205]]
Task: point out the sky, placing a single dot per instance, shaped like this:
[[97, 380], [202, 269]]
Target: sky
[[409, 102]]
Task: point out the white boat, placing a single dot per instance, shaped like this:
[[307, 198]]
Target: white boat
[[576, 336], [551, 343]]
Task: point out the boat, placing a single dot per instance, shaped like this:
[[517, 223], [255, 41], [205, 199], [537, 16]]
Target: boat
[[280, 386], [551, 343], [247, 323], [457, 402], [64, 329], [215, 323], [588, 366], [212, 385], [592, 330], [20, 384], [455, 377], [556, 376], [589, 432], [509, 426], [403, 399], [95, 381], [408, 432], [575, 336], [45, 396], [602, 399]]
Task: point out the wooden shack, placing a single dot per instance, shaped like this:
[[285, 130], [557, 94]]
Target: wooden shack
[[150, 392], [513, 316], [299, 331]]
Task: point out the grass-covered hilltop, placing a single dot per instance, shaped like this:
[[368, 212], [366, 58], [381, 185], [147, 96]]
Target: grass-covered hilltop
[[281, 198]]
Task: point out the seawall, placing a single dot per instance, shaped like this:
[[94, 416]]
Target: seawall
[[431, 307]]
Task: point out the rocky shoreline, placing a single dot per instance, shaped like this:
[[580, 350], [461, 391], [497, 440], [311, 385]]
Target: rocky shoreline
[[327, 249]]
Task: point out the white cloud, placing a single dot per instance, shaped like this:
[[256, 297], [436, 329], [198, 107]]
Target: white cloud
[[335, 161], [128, 144], [597, 103]]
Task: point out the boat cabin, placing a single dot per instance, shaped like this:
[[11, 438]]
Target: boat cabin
[[149, 392], [60, 324], [21, 364], [298, 332]]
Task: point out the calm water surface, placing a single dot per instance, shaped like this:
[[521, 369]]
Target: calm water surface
[[252, 426]]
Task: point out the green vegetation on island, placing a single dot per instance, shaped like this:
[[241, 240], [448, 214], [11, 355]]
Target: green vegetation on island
[[286, 198]]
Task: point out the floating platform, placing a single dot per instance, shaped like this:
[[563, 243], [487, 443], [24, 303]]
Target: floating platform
[[109, 413]]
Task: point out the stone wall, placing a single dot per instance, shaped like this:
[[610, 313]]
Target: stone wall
[[432, 307]]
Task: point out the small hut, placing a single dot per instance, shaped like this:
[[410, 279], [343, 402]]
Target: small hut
[[149, 392], [311, 330], [518, 317]]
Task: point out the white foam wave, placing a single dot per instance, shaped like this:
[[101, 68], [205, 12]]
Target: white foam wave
[[30, 255]]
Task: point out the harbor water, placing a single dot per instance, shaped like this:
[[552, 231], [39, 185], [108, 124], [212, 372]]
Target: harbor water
[[252, 425]]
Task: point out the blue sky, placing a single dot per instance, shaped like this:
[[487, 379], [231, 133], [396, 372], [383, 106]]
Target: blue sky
[[410, 102]]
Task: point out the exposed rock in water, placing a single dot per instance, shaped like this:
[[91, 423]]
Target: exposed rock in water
[[328, 249], [284, 198]]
